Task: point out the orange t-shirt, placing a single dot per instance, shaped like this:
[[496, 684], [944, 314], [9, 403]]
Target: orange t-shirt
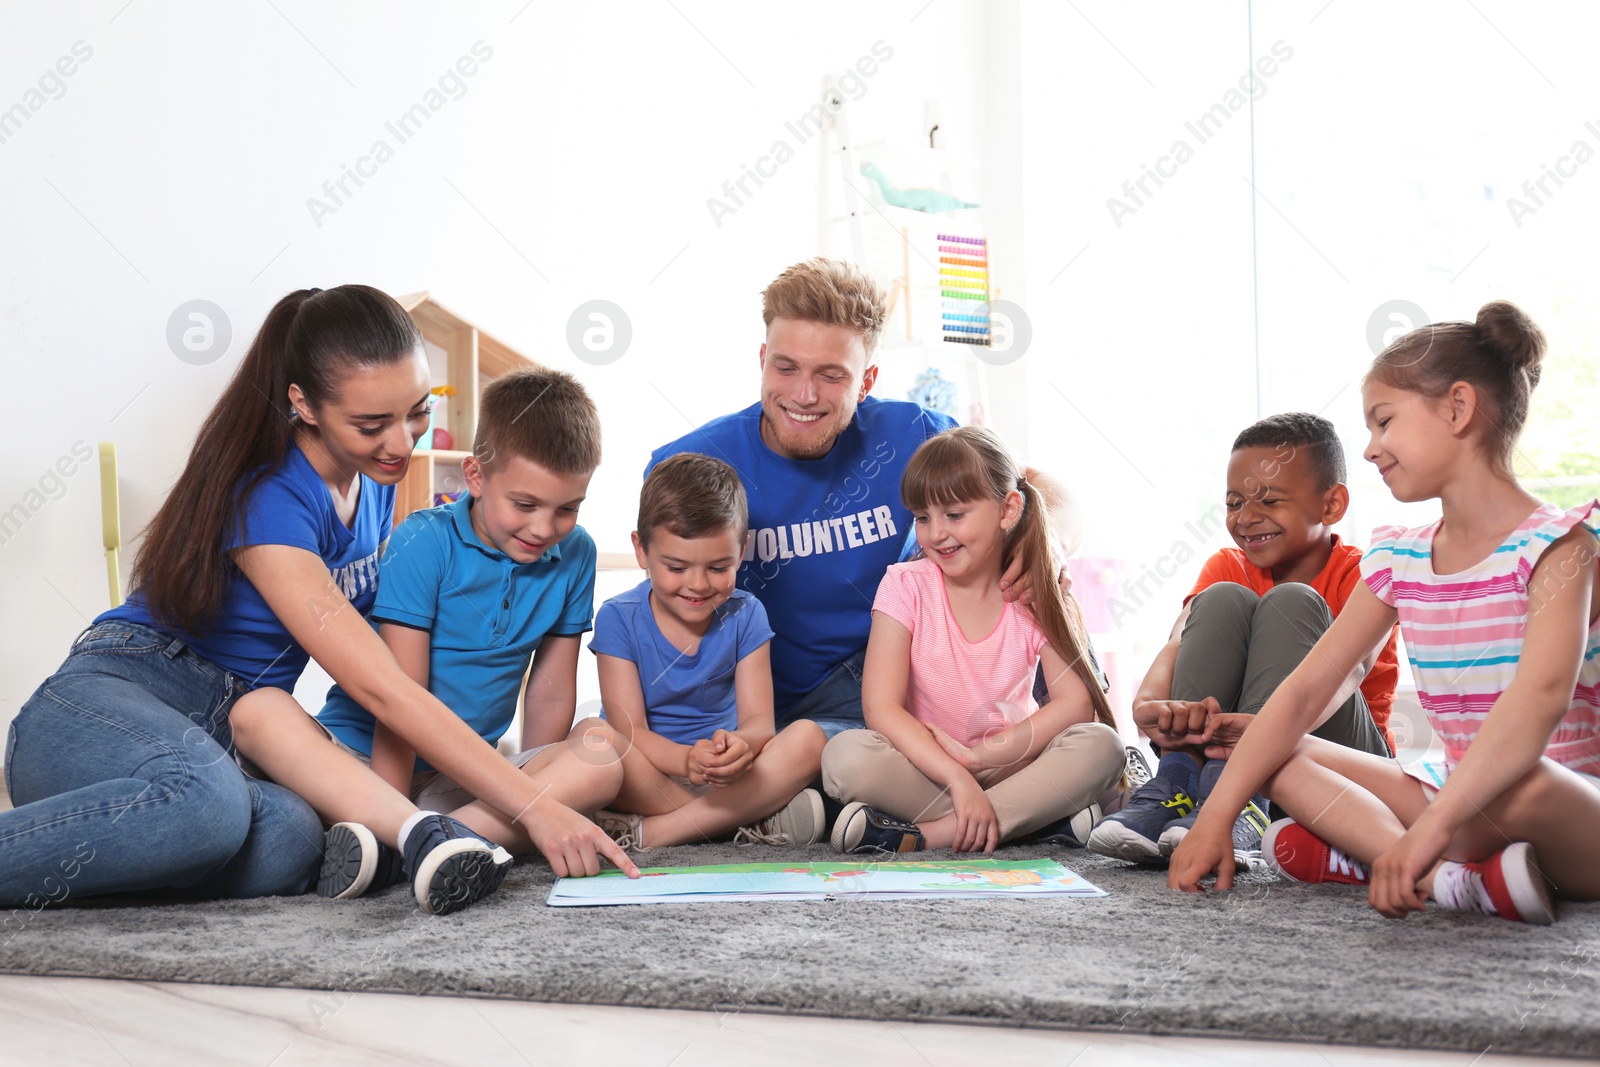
[[1334, 585]]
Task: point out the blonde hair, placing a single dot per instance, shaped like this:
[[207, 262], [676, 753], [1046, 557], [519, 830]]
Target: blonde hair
[[971, 463], [832, 292]]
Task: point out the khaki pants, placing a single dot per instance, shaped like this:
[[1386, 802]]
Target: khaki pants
[[1074, 769]]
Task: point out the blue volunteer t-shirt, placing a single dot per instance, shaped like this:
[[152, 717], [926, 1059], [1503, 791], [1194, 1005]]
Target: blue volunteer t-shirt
[[485, 614], [686, 698], [292, 506], [822, 531]]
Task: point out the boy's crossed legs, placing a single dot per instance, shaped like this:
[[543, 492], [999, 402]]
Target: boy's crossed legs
[[672, 812]]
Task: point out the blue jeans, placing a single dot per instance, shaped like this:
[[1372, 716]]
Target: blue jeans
[[120, 769], [835, 704]]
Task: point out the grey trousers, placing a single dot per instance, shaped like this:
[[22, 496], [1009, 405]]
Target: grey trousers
[[1238, 647]]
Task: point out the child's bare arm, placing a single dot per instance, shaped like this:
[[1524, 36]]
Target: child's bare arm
[[883, 693], [752, 689], [623, 698], [393, 759], [550, 699]]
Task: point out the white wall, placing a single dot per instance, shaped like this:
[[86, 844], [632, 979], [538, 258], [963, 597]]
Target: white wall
[[574, 165]]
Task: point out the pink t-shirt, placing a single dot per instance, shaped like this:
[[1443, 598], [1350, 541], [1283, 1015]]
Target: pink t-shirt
[[968, 689]]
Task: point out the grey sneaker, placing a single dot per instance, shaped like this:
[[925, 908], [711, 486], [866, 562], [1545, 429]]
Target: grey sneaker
[[349, 861], [1247, 828], [800, 822]]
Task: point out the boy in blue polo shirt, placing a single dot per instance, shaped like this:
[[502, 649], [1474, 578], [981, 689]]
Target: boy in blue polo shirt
[[467, 593]]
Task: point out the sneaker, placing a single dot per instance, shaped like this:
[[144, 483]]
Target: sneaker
[[1070, 832], [1132, 833], [860, 829], [626, 830], [1247, 828], [801, 822], [1138, 769], [1299, 855], [1508, 884], [450, 866], [349, 861]]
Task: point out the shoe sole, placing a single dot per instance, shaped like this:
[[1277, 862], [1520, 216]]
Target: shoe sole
[[458, 874], [842, 824], [349, 861], [819, 818], [1529, 889], [1170, 839], [1117, 841]]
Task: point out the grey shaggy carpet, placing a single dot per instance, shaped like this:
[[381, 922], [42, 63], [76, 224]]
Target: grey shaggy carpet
[[1267, 960]]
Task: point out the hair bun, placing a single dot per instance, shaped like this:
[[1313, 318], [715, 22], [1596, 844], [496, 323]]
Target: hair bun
[[1510, 334]]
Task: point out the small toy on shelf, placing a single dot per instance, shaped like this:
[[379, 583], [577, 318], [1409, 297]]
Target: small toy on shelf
[[438, 437], [931, 201]]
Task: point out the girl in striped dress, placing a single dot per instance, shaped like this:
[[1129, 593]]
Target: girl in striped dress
[[1499, 606], [958, 753]]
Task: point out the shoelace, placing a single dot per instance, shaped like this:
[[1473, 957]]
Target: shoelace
[[1462, 888], [761, 833], [1138, 773], [627, 833], [1339, 863]]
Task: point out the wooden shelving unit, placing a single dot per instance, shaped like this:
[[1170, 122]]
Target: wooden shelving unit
[[473, 357]]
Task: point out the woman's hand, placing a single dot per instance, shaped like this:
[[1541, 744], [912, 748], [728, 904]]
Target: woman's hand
[[977, 827], [1395, 875], [1204, 851]]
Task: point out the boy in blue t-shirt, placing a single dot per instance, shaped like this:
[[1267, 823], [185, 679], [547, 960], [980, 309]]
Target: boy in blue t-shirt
[[686, 680], [467, 593]]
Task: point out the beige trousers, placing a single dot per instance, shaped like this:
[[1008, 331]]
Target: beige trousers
[[1073, 770]]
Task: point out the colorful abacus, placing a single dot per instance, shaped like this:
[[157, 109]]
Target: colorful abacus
[[964, 289]]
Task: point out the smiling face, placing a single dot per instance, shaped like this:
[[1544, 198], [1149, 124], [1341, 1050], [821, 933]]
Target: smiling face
[[690, 577], [372, 423], [1277, 514], [812, 377], [967, 540], [1411, 440], [522, 508]]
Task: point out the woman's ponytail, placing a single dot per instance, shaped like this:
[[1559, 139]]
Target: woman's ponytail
[[308, 339]]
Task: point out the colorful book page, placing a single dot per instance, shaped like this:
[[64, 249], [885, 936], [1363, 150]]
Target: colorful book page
[[886, 880]]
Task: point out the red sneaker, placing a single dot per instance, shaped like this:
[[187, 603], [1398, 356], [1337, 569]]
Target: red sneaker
[[1299, 855], [1508, 884]]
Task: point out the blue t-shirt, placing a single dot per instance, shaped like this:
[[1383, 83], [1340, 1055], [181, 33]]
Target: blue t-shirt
[[292, 506], [686, 698], [485, 614], [822, 531]]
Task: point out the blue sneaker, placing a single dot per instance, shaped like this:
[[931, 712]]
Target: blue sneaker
[[1133, 832], [349, 861], [861, 830], [1247, 828], [450, 866], [1070, 832]]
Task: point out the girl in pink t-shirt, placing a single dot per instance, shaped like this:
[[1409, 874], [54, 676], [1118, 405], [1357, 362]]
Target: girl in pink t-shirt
[[1499, 606], [957, 753]]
